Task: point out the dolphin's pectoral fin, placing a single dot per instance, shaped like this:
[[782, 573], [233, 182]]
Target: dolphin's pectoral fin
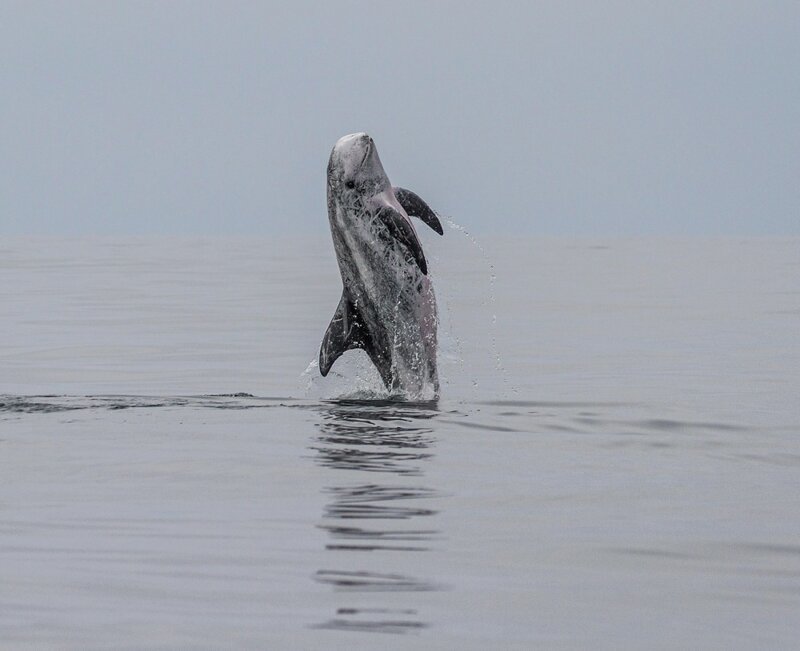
[[344, 333], [416, 207], [403, 232]]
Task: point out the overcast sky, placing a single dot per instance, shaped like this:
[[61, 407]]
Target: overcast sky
[[542, 118]]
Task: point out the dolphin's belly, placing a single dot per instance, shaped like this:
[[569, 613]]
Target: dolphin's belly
[[398, 305], [392, 296]]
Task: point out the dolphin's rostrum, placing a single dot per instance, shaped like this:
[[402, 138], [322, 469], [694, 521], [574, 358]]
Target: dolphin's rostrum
[[388, 307]]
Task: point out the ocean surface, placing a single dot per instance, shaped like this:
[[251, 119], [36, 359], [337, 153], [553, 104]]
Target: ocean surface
[[614, 462]]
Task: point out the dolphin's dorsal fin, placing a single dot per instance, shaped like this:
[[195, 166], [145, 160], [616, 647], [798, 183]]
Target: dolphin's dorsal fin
[[344, 332], [347, 331], [416, 207], [401, 230]]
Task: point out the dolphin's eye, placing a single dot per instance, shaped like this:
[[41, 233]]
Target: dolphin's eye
[[350, 184]]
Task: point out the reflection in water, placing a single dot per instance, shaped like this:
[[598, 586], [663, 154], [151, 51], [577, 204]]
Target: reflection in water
[[372, 581], [368, 515]]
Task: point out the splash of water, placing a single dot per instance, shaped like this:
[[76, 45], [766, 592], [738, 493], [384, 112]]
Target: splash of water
[[354, 378], [489, 302]]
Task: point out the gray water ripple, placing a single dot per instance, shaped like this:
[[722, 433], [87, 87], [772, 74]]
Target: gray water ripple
[[58, 403]]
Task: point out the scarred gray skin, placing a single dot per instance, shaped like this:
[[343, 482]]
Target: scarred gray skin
[[388, 307]]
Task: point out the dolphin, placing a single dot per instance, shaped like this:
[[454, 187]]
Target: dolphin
[[387, 307]]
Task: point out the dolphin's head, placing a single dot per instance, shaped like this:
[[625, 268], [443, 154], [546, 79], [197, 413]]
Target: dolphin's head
[[354, 168]]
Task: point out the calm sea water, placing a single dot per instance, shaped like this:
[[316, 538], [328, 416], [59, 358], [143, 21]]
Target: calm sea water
[[614, 461]]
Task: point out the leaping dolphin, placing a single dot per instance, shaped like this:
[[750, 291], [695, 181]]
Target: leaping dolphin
[[388, 307]]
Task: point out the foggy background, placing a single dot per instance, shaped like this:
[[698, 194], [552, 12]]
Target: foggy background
[[537, 118]]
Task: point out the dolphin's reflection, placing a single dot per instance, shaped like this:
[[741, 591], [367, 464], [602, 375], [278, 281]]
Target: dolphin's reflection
[[382, 518]]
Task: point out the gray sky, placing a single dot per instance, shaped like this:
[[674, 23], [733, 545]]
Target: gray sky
[[557, 117]]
